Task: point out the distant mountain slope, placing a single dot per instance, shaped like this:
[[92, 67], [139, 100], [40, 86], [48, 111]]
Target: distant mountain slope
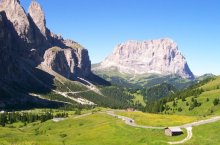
[[205, 76], [140, 80], [158, 92]]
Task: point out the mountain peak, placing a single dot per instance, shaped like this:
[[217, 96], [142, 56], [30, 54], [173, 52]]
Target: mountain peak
[[17, 16], [10, 1], [159, 56], [36, 13]]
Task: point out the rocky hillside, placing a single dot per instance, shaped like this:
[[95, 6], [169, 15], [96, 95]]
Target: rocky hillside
[[32, 56], [148, 57]]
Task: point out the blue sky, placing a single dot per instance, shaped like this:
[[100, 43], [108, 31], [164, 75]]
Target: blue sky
[[99, 25]]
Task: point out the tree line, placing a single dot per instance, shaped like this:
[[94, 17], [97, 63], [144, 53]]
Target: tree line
[[25, 117]]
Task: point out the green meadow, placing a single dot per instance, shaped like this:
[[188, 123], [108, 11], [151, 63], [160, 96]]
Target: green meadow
[[96, 129], [158, 119], [206, 135]]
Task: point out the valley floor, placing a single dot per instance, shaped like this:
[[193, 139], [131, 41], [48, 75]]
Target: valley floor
[[98, 129]]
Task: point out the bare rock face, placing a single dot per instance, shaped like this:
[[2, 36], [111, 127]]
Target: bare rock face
[[84, 63], [16, 14], [156, 56], [37, 14], [67, 62], [25, 45], [34, 41], [5, 48], [8, 50], [60, 61]]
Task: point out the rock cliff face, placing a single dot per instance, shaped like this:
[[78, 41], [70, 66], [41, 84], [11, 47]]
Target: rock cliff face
[[34, 41], [67, 62], [29, 52], [156, 56], [37, 14], [16, 14], [7, 61]]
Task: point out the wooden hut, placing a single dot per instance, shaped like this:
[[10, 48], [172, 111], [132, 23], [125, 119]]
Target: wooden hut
[[173, 131]]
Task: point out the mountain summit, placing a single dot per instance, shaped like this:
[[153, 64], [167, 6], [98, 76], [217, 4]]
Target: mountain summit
[[154, 57], [34, 42], [33, 58]]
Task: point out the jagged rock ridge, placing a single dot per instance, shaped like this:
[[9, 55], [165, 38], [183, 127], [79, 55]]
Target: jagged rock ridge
[[16, 14], [37, 14], [155, 56], [34, 38], [27, 51]]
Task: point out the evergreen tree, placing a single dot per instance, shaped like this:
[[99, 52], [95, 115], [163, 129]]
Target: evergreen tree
[[216, 101]]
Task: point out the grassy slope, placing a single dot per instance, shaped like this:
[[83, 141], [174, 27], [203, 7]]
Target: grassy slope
[[212, 85], [97, 129], [211, 92], [158, 119], [139, 81], [139, 99], [204, 109], [206, 135]]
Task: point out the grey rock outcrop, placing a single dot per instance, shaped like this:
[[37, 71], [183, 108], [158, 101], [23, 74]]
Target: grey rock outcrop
[[68, 62], [34, 40], [7, 61], [37, 14], [155, 56], [16, 14], [25, 45]]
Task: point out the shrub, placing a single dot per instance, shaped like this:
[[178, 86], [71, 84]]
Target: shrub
[[194, 104], [174, 104], [78, 112], [180, 109], [63, 135], [216, 101], [207, 99], [81, 124]]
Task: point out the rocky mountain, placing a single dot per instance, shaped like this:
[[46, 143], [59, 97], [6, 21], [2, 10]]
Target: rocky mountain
[[17, 16], [36, 13], [139, 64], [29, 51], [35, 39], [148, 57], [70, 63]]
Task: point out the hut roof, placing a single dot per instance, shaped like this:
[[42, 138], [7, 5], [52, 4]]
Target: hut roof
[[175, 129]]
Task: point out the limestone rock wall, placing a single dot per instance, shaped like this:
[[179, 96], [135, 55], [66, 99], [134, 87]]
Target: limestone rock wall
[[155, 56]]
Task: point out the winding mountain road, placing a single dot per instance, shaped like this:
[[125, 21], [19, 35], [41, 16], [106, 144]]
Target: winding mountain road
[[130, 121], [188, 127]]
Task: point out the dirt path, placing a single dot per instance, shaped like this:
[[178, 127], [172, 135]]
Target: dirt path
[[131, 122], [90, 86], [78, 100], [201, 122], [39, 96], [188, 127]]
